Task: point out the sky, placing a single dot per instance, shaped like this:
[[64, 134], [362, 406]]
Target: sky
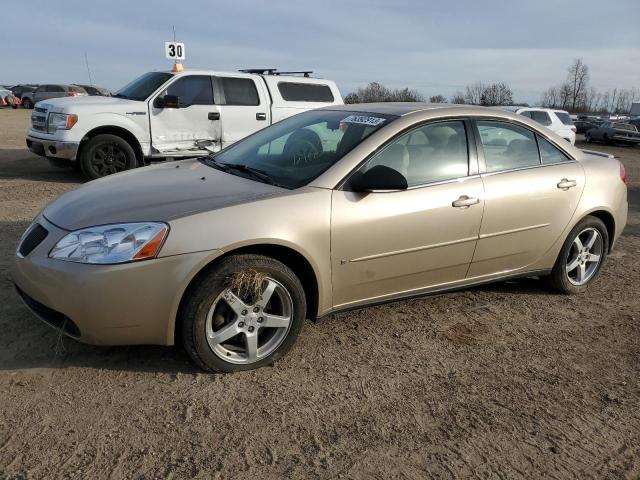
[[435, 47]]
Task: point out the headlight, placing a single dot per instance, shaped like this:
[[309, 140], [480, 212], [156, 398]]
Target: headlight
[[118, 243], [60, 121]]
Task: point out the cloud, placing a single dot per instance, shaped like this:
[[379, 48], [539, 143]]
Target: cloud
[[435, 47]]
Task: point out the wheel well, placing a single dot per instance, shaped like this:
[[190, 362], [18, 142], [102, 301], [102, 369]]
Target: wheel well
[[608, 221], [120, 132], [291, 258]]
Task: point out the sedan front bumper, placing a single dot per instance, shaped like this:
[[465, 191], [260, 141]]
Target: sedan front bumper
[[124, 304], [52, 148]]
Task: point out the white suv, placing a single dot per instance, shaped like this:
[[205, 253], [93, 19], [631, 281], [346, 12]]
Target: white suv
[[557, 121]]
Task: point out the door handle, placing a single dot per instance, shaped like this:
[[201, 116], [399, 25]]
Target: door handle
[[566, 184], [214, 116], [465, 202], [261, 116]]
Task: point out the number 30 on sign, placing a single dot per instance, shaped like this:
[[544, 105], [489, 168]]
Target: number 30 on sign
[[174, 50]]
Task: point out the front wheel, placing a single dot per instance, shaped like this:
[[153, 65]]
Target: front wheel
[[581, 257], [27, 103], [105, 155], [244, 314]]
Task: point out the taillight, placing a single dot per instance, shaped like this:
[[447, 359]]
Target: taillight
[[623, 174], [72, 94], [574, 129]]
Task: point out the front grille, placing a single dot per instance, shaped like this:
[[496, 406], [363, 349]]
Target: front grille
[[57, 320], [39, 119], [36, 235]]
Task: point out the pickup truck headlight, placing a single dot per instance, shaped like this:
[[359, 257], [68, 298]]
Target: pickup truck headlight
[[60, 121], [108, 244]]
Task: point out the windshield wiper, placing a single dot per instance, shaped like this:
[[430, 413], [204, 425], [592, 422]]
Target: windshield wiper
[[255, 172], [212, 162]]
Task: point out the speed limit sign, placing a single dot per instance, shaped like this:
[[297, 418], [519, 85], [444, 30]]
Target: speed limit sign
[[174, 50]]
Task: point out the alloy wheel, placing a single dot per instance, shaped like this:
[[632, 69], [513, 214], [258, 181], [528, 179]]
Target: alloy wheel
[[109, 158], [584, 256], [242, 330]]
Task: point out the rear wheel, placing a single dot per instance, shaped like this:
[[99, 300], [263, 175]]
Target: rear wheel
[[587, 138], [245, 314], [581, 257], [27, 103], [105, 155]]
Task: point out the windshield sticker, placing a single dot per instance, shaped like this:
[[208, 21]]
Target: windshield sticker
[[364, 120]]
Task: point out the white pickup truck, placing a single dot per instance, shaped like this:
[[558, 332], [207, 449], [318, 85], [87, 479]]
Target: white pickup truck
[[164, 115]]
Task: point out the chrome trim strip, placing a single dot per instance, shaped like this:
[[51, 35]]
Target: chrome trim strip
[[439, 288], [515, 230], [531, 167], [411, 250]]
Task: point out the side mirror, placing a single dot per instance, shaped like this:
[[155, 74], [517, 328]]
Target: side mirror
[[168, 101], [379, 177]]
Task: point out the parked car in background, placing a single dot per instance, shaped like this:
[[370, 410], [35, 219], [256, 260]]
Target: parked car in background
[[23, 89], [174, 115], [558, 121], [49, 91], [582, 126], [95, 91], [229, 254], [26, 94], [8, 99], [614, 132]]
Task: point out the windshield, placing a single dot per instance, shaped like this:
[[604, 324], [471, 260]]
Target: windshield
[[143, 86], [294, 151]]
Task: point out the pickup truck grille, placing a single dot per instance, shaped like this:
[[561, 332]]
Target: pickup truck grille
[[39, 119]]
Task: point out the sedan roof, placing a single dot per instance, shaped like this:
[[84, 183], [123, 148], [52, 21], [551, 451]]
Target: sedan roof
[[392, 108]]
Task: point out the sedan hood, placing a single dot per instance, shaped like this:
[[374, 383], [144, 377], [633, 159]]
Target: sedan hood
[[157, 193]]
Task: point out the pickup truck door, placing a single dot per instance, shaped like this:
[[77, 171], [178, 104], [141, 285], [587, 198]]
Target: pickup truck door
[[244, 106], [196, 118]]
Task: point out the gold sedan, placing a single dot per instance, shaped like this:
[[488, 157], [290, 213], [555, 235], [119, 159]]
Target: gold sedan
[[328, 210]]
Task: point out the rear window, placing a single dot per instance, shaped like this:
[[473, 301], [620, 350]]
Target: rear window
[[564, 118], [305, 92], [239, 91]]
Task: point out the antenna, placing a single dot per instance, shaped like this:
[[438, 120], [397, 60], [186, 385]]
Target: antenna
[[86, 61]]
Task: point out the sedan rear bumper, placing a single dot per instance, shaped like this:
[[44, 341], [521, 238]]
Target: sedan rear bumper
[[124, 304]]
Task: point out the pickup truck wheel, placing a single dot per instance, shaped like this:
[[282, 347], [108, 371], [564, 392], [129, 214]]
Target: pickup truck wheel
[[27, 103], [105, 155]]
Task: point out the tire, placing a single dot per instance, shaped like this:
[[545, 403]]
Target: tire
[[587, 138], [105, 155], [564, 278], [212, 306], [27, 103], [606, 140]]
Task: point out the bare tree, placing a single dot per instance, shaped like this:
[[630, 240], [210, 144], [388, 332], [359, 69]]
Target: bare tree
[[458, 98], [496, 94], [577, 78], [437, 99], [474, 92], [375, 92], [550, 98]]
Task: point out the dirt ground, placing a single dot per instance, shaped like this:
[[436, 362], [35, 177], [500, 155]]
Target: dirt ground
[[504, 381]]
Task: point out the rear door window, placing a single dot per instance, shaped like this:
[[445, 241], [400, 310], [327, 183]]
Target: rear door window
[[239, 91], [564, 118], [507, 146], [541, 117], [305, 92], [56, 88]]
